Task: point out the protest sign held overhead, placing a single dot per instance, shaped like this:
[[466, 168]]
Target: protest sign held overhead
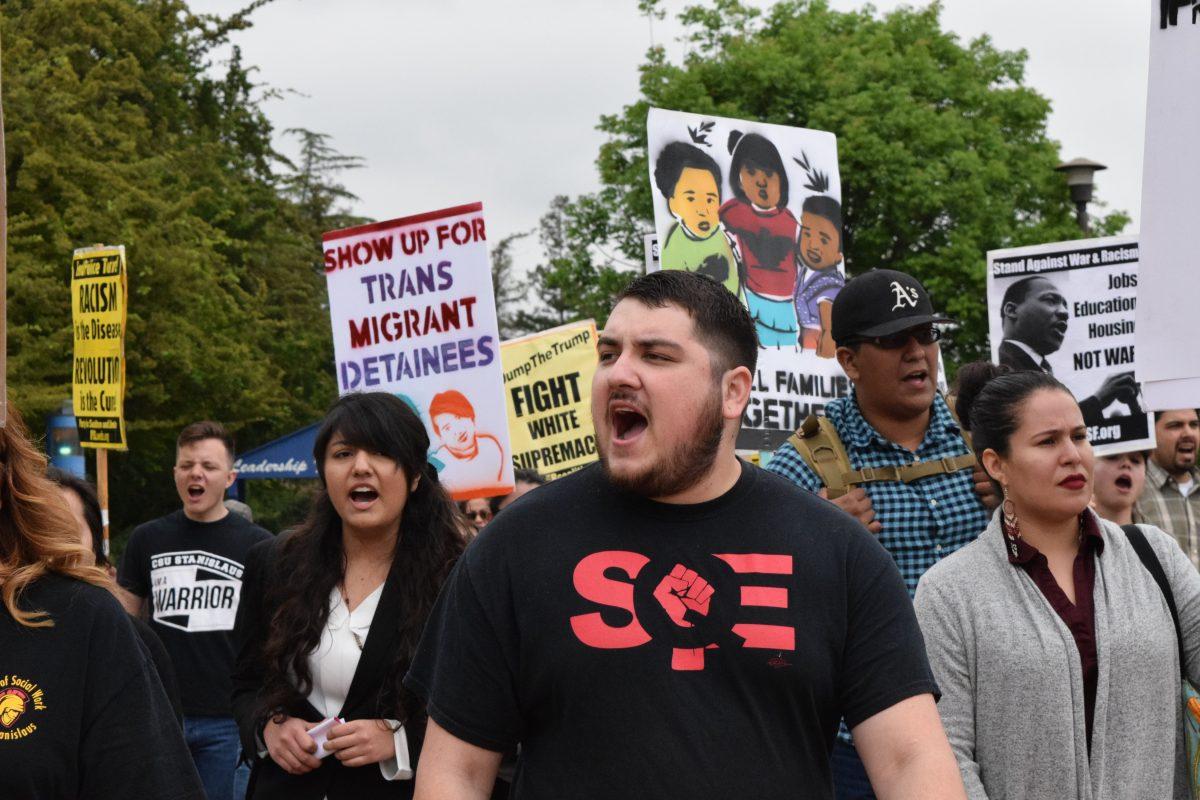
[[757, 208], [1068, 309], [1169, 238], [412, 311], [99, 291], [548, 389]]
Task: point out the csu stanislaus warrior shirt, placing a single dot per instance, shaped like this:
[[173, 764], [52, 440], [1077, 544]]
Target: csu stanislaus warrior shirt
[[640, 649], [191, 574]]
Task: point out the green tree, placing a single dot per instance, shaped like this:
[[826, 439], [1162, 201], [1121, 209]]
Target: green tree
[[122, 130], [942, 145], [510, 287], [314, 185], [580, 277]]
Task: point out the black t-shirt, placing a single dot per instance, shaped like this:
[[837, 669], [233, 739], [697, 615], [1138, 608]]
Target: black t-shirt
[[82, 712], [191, 573], [161, 661], [639, 649]]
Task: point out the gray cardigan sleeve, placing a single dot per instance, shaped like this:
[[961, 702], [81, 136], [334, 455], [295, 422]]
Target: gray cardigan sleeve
[[951, 652], [1185, 586]]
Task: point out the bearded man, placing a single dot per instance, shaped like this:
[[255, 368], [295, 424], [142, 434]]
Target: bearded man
[[672, 621], [1171, 499]]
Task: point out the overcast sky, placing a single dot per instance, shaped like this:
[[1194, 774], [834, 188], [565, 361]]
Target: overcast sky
[[461, 100]]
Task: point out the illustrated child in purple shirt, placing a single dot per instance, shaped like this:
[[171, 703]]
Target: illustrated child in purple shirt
[[820, 251]]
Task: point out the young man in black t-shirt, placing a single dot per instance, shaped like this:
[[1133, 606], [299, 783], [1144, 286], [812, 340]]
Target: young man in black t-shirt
[[673, 621], [185, 569]]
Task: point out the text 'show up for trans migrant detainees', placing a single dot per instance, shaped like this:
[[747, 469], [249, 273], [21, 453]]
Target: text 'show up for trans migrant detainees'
[[1068, 309], [412, 313]]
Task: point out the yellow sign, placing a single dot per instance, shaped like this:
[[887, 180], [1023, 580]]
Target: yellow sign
[[548, 391], [99, 290]]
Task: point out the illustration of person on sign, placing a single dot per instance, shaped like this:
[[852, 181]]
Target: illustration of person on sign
[[820, 253], [766, 233], [690, 180], [470, 459]]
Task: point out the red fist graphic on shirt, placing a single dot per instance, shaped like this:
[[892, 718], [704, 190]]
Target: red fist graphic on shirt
[[683, 591]]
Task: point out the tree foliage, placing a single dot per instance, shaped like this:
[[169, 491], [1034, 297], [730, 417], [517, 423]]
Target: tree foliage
[[942, 146], [121, 129]]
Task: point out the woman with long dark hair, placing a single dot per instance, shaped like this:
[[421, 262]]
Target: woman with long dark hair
[[80, 701], [332, 611], [1050, 636]]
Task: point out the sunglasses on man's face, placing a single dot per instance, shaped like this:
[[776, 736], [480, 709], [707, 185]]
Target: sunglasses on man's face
[[481, 514], [924, 335]]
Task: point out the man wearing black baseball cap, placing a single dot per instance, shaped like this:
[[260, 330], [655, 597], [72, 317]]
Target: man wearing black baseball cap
[[891, 453]]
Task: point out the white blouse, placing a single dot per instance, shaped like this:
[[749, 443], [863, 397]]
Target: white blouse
[[333, 664]]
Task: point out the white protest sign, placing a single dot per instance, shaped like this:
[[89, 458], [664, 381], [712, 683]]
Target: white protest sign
[[1168, 366], [757, 207], [1068, 308], [412, 311]]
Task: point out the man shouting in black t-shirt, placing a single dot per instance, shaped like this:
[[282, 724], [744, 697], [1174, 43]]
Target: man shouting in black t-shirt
[[672, 621], [185, 571]]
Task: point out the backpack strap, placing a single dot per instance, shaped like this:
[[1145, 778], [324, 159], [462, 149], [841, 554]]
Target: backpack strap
[[818, 443], [1154, 567]]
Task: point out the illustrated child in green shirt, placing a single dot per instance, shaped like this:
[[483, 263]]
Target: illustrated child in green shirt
[[690, 180]]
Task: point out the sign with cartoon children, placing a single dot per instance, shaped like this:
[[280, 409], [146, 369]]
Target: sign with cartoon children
[[412, 310], [757, 208]]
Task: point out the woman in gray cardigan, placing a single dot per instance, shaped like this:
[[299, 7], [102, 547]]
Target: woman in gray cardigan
[[1051, 642]]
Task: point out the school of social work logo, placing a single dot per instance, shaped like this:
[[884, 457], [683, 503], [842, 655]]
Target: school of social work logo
[[19, 698], [195, 591]]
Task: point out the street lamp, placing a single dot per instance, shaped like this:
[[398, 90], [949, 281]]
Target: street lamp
[[1079, 172]]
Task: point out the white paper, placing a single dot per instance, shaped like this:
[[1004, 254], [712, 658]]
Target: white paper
[[1170, 236], [320, 734]]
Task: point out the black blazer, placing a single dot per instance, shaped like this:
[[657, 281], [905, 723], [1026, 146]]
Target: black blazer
[[267, 780], [1014, 357]]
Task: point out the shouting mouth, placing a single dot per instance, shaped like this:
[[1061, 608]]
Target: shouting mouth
[[1124, 483], [704, 226], [363, 497], [628, 423], [195, 491]]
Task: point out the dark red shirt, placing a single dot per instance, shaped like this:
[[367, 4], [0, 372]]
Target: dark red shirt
[[1080, 617]]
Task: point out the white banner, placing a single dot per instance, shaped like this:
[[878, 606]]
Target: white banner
[[1169, 366], [1068, 309], [757, 207], [412, 310]]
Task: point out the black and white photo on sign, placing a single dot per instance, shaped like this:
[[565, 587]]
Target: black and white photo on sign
[[1068, 309]]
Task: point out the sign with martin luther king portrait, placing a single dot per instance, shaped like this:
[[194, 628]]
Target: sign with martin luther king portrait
[[1068, 309]]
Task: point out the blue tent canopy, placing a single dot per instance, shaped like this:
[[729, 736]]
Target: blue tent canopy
[[288, 457]]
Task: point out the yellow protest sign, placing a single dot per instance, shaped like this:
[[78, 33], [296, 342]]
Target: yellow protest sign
[[99, 290], [548, 391]]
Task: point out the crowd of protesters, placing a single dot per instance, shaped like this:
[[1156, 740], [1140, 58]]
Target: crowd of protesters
[[960, 600]]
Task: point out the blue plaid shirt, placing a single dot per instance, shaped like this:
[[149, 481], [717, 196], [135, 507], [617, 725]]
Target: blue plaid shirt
[[923, 521]]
